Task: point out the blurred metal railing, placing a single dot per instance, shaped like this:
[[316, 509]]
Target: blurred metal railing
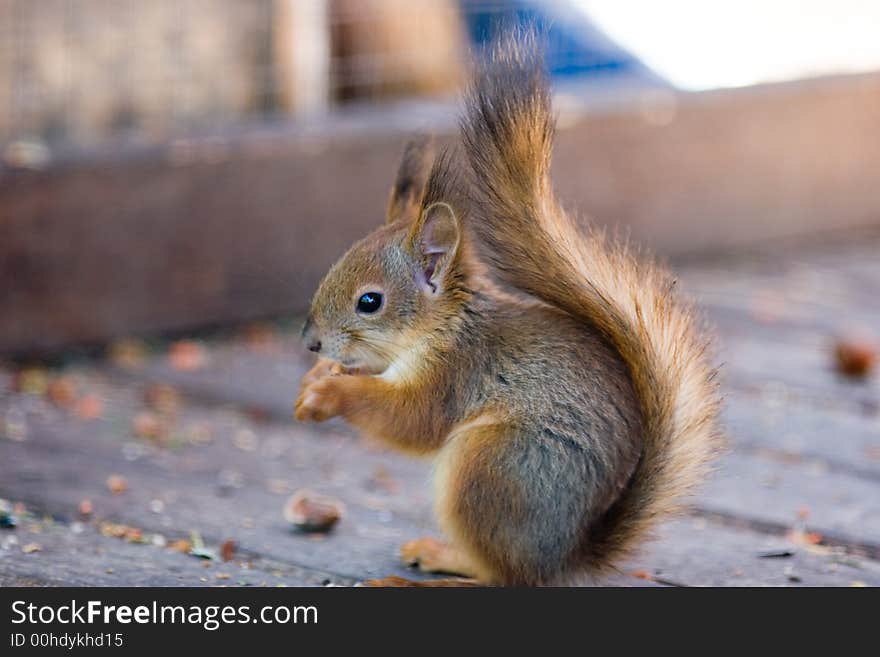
[[81, 71]]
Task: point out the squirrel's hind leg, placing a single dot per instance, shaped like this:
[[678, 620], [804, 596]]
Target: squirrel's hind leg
[[513, 499]]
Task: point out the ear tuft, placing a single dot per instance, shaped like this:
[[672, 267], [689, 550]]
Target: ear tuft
[[409, 186]]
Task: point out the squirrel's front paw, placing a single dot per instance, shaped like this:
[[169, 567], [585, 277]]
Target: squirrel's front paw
[[318, 401], [323, 367]]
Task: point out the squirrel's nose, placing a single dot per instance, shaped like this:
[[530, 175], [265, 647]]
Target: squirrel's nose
[[308, 334]]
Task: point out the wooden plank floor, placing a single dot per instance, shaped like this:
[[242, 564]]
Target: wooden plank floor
[[215, 452]]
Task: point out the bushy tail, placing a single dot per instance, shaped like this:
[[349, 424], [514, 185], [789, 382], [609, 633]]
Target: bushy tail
[[533, 246]]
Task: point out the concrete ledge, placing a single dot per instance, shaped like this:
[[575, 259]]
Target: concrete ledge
[[226, 228]]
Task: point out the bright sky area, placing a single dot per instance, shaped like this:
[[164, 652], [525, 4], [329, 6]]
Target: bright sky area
[[702, 44]]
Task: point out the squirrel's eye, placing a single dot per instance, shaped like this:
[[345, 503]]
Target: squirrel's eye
[[369, 303]]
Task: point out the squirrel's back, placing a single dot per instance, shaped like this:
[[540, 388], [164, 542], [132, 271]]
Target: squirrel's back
[[533, 246]]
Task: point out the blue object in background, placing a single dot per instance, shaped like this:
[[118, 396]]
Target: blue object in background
[[575, 49]]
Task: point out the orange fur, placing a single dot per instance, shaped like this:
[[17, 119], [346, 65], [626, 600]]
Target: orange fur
[[401, 415]]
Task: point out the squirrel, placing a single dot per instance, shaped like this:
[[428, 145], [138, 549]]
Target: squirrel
[[564, 389]]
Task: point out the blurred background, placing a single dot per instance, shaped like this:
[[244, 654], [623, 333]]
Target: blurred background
[[176, 177], [174, 165]]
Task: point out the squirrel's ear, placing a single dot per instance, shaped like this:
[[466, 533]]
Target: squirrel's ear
[[409, 186], [434, 242]]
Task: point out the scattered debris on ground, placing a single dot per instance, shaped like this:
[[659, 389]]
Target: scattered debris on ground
[[310, 512], [117, 484], [855, 357]]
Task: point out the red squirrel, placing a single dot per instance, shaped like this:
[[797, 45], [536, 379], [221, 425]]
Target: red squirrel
[[561, 385]]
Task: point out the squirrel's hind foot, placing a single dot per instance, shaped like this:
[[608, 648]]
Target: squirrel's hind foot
[[398, 582], [433, 556]]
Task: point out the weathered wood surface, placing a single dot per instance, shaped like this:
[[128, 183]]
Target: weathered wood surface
[[229, 227], [795, 502]]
